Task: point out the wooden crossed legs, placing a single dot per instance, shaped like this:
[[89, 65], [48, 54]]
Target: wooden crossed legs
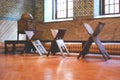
[[93, 37], [58, 43], [35, 42]]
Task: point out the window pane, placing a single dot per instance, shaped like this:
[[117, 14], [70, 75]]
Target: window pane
[[116, 8], [106, 9], [116, 1], [111, 1], [61, 7], [70, 0], [64, 6], [106, 2], [61, 1], [58, 14], [111, 8], [58, 7], [70, 13], [61, 14], [70, 5]]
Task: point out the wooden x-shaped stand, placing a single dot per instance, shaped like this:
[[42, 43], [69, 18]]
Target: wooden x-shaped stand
[[94, 37], [58, 45], [33, 37]]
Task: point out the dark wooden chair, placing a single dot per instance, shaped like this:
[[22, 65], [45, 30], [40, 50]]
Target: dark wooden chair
[[94, 37], [58, 45]]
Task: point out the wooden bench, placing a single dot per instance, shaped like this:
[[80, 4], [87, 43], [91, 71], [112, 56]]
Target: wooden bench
[[14, 42]]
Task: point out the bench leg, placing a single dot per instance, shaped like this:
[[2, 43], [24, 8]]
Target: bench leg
[[13, 48], [6, 49]]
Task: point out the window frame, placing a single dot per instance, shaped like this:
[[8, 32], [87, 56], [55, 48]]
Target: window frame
[[55, 11], [102, 8], [98, 11]]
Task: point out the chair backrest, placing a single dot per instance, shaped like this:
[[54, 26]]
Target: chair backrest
[[88, 28]]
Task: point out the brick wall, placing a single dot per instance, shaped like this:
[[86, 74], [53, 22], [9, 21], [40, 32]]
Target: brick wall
[[76, 30], [12, 9]]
